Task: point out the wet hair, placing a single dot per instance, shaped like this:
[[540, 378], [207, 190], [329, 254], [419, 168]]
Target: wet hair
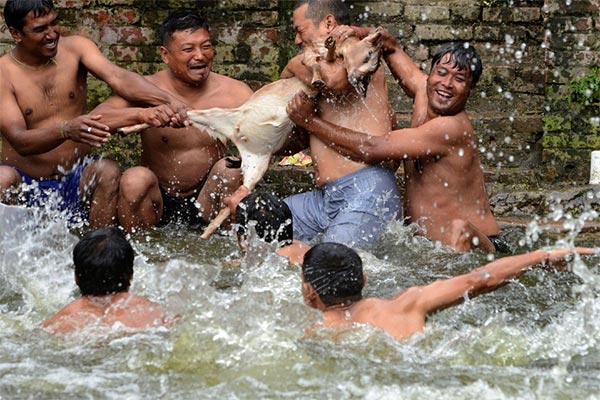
[[464, 56], [16, 10], [273, 218], [180, 21], [103, 262], [335, 271], [318, 10]]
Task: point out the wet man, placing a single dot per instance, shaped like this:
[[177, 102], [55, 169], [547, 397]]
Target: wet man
[[445, 193], [45, 134], [103, 271], [184, 175], [333, 278], [354, 201]]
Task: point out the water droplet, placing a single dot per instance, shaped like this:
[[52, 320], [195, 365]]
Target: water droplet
[[461, 152]]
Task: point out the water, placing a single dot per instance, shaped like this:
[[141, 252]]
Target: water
[[242, 331]]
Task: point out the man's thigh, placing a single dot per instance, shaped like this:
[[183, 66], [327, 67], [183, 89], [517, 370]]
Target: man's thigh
[[309, 218], [355, 229]]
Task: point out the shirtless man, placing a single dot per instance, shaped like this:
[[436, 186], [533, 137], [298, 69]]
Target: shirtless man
[[45, 137], [183, 175], [103, 271], [354, 201], [445, 192], [273, 222], [333, 278]]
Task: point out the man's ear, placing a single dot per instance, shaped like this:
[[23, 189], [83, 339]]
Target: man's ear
[[310, 294], [16, 34], [164, 52], [330, 22], [364, 280]]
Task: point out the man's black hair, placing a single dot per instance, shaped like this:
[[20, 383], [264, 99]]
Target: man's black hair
[[103, 262], [16, 10], [273, 218], [318, 10], [335, 271], [180, 21], [463, 56]]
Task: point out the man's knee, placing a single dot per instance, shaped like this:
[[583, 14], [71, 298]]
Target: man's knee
[[226, 170], [136, 182], [10, 180]]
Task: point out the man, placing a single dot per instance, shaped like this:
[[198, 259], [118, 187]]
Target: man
[[445, 192], [332, 282], [272, 222], [45, 137], [183, 174], [103, 271], [354, 201]]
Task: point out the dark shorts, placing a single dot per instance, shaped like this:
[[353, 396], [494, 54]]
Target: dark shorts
[[500, 244], [181, 210], [56, 194]]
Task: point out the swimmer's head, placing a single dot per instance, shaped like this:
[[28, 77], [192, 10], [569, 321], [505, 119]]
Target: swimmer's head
[[463, 56], [272, 216], [15, 11], [103, 262], [335, 272]]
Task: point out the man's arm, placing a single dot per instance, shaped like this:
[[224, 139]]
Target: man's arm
[[117, 112], [445, 293], [127, 84], [41, 140], [408, 75], [434, 138]]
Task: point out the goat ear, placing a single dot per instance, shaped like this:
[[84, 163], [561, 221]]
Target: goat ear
[[375, 36]]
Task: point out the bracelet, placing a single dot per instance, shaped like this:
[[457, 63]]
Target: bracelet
[[62, 130]]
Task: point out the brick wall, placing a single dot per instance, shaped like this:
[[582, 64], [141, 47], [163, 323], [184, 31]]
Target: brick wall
[[533, 54]]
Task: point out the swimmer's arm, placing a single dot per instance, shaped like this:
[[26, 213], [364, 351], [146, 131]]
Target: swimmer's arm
[[445, 293], [431, 139], [127, 84]]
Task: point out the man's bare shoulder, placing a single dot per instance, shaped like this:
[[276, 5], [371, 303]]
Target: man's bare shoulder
[[230, 82], [76, 43]]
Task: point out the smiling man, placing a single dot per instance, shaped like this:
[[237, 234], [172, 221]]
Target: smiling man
[[45, 133], [445, 192], [183, 176]]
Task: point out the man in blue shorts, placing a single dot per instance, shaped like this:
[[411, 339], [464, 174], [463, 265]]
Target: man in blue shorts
[[354, 201]]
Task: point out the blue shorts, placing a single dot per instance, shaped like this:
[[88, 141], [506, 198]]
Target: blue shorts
[[353, 210], [55, 194]]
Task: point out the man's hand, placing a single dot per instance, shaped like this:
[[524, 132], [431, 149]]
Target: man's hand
[[301, 109], [86, 129], [179, 117], [235, 198], [158, 116], [558, 258]]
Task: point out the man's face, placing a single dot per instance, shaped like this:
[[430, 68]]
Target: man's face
[[189, 55], [40, 35], [448, 88], [306, 34]]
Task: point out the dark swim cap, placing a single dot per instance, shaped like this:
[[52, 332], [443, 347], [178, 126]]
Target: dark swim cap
[[335, 271]]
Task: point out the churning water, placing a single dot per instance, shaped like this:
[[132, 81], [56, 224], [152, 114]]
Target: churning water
[[242, 331]]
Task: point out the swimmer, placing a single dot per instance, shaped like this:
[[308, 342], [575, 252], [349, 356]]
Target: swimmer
[[444, 184], [103, 271], [333, 278], [273, 223]]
